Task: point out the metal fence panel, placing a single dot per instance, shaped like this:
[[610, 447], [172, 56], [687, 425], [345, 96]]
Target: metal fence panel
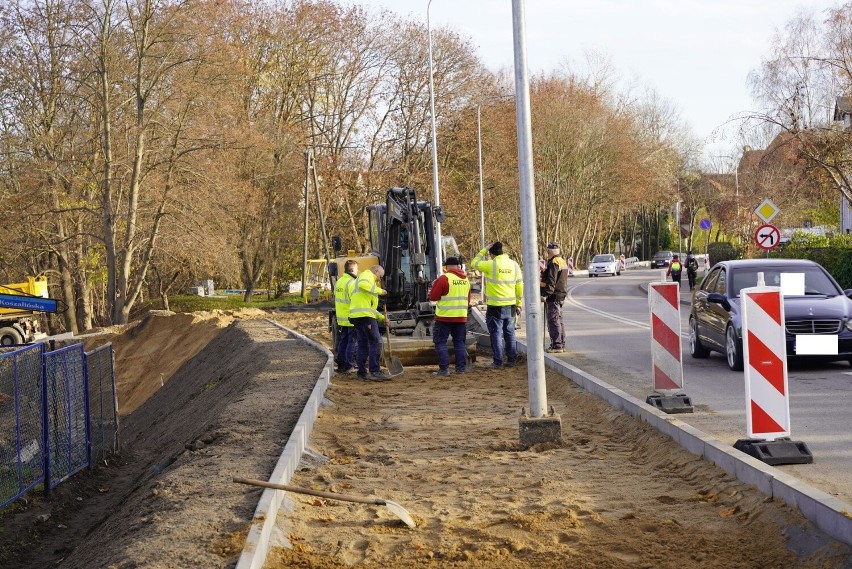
[[103, 414], [21, 434], [67, 426]]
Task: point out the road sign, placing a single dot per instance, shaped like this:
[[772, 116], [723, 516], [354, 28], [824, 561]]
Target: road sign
[[767, 237], [21, 302], [767, 210], [705, 224]]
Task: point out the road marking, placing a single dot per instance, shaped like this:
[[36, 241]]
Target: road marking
[[635, 323]]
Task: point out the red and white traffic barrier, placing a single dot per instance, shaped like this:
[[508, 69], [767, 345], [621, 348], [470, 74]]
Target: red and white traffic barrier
[[570, 262], [765, 363], [666, 351]]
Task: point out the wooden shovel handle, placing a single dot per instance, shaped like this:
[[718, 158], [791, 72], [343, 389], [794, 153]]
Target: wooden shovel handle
[[308, 491]]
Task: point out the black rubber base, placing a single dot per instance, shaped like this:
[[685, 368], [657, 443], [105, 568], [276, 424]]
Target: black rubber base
[[779, 451], [671, 404]]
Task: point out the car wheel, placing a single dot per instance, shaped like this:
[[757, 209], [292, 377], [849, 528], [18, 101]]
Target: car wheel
[[10, 337], [733, 349], [696, 348]]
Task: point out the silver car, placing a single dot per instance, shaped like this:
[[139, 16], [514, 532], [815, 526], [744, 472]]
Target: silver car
[[605, 264]]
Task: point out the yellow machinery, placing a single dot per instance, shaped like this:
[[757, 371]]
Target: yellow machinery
[[18, 326], [317, 283]]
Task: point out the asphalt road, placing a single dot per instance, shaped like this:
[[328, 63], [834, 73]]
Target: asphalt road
[[608, 327]]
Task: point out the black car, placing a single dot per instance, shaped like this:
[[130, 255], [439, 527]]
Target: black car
[[715, 318], [661, 259]]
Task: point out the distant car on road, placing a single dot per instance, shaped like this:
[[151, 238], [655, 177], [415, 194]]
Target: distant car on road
[[715, 319], [661, 259], [605, 264]]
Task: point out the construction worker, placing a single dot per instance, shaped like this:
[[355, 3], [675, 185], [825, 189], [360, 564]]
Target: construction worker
[[554, 289], [451, 293], [365, 319], [504, 291], [345, 348]]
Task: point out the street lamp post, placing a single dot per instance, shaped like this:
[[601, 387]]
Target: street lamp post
[[438, 248]]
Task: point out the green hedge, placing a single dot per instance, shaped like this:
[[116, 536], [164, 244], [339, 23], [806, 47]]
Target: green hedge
[[722, 251], [834, 253]]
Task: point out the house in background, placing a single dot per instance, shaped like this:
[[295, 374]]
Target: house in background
[[843, 113]]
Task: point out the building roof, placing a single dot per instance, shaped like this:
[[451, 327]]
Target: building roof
[[842, 106]]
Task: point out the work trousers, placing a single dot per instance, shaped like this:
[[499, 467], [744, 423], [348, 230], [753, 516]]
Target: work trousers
[[553, 313], [501, 329], [369, 342], [345, 348], [441, 331]]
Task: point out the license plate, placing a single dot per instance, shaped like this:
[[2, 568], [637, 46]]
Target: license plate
[[815, 345]]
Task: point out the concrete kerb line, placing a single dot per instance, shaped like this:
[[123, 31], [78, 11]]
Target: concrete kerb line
[[826, 512], [257, 544]]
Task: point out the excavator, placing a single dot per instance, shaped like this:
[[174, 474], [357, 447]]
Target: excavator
[[402, 238]]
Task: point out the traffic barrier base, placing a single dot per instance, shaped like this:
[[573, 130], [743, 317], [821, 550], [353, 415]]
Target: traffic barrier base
[[779, 451], [671, 404]]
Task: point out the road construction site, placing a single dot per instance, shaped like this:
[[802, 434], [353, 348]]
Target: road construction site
[[205, 398]]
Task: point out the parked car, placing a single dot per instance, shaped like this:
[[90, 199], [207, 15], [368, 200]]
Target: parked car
[[661, 259], [715, 319], [605, 264]]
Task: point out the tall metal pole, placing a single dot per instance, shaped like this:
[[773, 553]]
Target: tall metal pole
[[307, 202], [481, 193], [438, 249], [532, 306]]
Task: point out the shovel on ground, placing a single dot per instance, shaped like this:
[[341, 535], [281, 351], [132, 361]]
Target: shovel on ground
[[392, 362], [394, 508]]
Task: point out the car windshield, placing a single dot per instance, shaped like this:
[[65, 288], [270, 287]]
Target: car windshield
[[816, 282], [663, 255], [603, 259]]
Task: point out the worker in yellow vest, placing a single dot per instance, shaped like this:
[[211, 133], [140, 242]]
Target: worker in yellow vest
[[365, 319], [504, 291], [343, 289], [451, 293]]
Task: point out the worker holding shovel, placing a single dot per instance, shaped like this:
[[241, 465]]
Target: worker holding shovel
[[365, 318]]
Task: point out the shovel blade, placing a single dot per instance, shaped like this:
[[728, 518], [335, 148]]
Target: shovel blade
[[401, 513], [395, 366]]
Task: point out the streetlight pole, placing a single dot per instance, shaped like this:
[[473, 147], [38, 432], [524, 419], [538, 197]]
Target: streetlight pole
[[438, 248]]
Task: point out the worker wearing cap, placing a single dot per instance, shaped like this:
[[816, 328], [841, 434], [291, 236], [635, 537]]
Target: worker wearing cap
[[343, 289], [504, 291], [451, 293], [365, 319], [554, 288]]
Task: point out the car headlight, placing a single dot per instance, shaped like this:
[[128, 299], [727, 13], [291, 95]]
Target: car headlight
[[849, 324]]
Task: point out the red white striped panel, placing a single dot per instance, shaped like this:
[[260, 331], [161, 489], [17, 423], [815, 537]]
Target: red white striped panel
[[666, 350], [765, 363]]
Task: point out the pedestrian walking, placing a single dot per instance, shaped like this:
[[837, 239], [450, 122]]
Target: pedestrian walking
[[554, 288], [691, 269], [451, 293], [675, 269], [504, 291], [343, 289], [365, 319]]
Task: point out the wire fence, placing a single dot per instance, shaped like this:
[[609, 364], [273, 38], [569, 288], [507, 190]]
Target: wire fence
[[21, 433], [57, 415]]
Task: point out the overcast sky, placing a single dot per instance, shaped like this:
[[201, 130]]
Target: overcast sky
[[694, 53]]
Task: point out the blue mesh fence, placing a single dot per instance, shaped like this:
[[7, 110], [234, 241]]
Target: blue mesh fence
[[67, 412], [21, 434], [103, 415]]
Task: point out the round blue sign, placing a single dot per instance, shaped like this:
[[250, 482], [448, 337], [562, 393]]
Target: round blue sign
[[705, 224]]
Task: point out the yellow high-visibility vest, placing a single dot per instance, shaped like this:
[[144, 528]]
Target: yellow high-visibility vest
[[342, 297], [365, 297], [504, 285], [454, 303]]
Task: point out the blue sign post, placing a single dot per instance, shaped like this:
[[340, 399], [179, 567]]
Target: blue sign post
[[705, 224], [35, 303]]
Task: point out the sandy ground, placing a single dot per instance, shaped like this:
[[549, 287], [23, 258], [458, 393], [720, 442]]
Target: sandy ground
[[612, 493]]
